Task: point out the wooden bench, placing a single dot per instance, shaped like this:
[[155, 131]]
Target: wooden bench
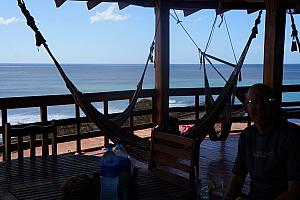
[[20, 131], [174, 158]]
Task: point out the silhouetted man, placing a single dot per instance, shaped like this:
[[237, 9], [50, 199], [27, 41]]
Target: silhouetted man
[[269, 151]]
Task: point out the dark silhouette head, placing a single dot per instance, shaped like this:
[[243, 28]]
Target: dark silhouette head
[[260, 105]]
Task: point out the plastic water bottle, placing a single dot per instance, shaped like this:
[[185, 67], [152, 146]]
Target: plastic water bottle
[[109, 171], [124, 170]]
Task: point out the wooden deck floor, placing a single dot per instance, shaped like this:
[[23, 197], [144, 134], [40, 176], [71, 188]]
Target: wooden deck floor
[[29, 180], [42, 178], [216, 161]]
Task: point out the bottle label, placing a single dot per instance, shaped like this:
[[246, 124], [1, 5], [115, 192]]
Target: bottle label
[[109, 171]]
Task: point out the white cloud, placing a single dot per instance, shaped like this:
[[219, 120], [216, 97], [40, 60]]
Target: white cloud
[[8, 21], [108, 15]]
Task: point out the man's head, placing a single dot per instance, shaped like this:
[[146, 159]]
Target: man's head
[[260, 105]]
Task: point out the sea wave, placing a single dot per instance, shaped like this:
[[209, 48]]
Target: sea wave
[[179, 103]]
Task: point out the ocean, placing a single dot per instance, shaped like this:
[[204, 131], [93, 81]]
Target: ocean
[[43, 79]]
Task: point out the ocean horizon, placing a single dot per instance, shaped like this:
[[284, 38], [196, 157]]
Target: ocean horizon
[[19, 80]]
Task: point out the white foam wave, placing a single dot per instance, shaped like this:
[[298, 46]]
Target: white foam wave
[[176, 103], [172, 101], [22, 118]]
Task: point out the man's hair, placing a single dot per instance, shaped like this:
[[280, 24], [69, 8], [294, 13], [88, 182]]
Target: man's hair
[[266, 89]]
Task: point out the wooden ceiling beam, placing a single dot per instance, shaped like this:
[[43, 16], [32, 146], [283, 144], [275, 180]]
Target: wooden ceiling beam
[[200, 4], [93, 3]]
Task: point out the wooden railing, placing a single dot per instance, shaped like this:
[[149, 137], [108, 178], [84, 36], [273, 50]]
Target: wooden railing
[[43, 102]]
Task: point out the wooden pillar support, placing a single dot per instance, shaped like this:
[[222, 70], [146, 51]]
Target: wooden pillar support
[[274, 46], [162, 61]]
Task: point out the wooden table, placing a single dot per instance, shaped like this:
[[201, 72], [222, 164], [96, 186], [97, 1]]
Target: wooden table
[[42, 178]]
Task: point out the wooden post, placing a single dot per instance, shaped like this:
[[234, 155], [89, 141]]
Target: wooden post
[[44, 118], [32, 145], [78, 131], [105, 110], [20, 147], [7, 144], [274, 46], [131, 120], [4, 121], [162, 63], [54, 138], [197, 106]]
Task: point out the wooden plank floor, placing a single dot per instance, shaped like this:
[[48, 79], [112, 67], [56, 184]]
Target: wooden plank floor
[[43, 178], [216, 161]]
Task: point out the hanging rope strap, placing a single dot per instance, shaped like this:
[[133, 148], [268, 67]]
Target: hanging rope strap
[[212, 30], [30, 22], [295, 42], [202, 53], [218, 59]]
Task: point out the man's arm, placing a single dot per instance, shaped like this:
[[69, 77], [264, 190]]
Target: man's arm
[[293, 192], [235, 187]]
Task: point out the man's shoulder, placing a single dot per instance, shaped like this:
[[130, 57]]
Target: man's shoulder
[[247, 132]]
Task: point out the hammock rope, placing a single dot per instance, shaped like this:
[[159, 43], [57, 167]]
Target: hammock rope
[[115, 132], [230, 40], [220, 74], [226, 114], [199, 130], [122, 118], [211, 33], [110, 129], [202, 53], [188, 34], [294, 35]]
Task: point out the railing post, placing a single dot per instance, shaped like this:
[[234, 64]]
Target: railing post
[[154, 113], [32, 145], [54, 138], [20, 147], [7, 144], [4, 121], [44, 118], [131, 120], [197, 106], [105, 109], [78, 131]]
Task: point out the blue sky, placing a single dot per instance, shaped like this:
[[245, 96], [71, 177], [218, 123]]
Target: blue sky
[[107, 35]]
